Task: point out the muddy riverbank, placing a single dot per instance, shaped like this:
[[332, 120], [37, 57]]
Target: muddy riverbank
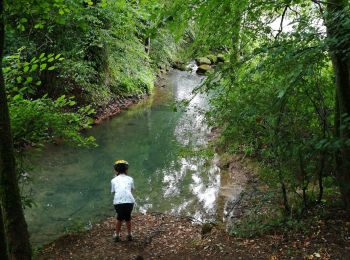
[[120, 103]]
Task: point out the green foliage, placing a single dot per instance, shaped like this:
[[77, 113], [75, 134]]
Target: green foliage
[[22, 76], [36, 120], [101, 54], [274, 99], [165, 49], [278, 105], [265, 215], [103, 43], [209, 25]]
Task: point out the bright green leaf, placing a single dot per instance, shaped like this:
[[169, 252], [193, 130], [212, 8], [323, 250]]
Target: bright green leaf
[[43, 66], [19, 79]]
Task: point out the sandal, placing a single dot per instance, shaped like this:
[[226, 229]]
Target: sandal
[[116, 238]]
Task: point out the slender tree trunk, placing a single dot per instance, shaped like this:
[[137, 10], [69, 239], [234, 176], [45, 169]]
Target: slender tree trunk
[[323, 119], [285, 198], [236, 37], [148, 45], [15, 227], [305, 181], [3, 246], [284, 192], [320, 176], [237, 9], [341, 64], [322, 157]]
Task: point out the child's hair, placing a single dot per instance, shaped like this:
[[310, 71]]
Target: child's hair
[[121, 167]]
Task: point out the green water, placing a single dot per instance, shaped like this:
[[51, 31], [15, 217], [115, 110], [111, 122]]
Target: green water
[[71, 186]]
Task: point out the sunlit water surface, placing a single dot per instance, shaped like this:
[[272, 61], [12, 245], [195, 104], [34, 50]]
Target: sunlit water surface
[[71, 186]]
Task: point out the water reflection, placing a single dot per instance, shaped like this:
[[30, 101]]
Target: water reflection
[[71, 185]]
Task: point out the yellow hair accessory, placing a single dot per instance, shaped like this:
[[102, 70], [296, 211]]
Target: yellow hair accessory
[[121, 162]]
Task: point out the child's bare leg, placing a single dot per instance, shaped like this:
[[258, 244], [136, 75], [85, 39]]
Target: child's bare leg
[[118, 227], [128, 226]]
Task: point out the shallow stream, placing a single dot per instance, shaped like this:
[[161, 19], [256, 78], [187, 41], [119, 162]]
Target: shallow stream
[[71, 186]]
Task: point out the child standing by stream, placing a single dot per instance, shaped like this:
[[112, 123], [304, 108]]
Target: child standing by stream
[[122, 187]]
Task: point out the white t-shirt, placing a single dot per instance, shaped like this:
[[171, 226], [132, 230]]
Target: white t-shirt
[[121, 186]]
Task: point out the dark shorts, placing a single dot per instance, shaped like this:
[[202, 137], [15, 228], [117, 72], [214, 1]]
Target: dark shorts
[[124, 211]]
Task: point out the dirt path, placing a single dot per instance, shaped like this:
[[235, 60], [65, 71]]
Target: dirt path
[[155, 236], [169, 237]]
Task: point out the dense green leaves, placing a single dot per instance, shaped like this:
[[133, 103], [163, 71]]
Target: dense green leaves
[[43, 120], [36, 120], [103, 43], [93, 50], [275, 99]]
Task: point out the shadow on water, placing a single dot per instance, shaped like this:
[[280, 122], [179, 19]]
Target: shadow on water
[[71, 186]]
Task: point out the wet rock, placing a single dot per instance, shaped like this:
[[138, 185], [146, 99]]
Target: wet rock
[[221, 58], [180, 66], [203, 69], [203, 61], [213, 59]]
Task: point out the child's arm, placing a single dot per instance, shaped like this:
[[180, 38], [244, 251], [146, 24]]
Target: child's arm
[[112, 187]]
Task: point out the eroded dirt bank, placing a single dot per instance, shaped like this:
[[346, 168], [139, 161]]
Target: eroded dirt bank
[[118, 104], [115, 106]]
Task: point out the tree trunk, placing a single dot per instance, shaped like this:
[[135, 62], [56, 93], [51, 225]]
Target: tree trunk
[[285, 198], [341, 64], [237, 10], [320, 176], [148, 45], [15, 227], [284, 192], [323, 120], [3, 246], [305, 181]]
